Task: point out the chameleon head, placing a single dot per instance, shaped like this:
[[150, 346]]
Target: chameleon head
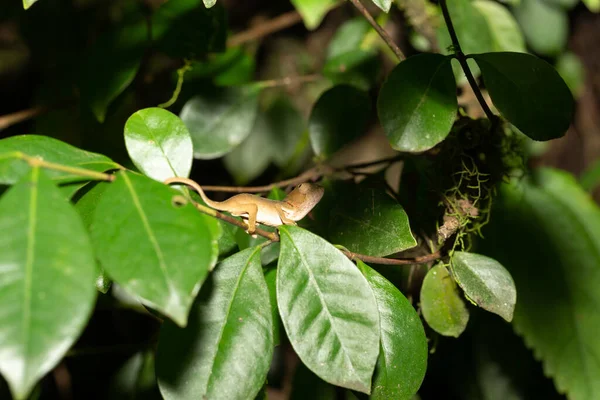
[[303, 199]]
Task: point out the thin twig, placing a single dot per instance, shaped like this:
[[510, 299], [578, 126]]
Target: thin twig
[[265, 29], [382, 33], [462, 59], [393, 261], [288, 80], [20, 116]]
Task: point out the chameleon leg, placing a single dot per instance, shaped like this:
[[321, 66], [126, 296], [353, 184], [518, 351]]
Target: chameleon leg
[[252, 210], [283, 217]]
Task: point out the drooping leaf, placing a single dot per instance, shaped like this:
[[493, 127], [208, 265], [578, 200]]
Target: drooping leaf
[[154, 247], [485, 282], [313, 11], [110, 65], [383, 4], [226, 350], [443, 307], [221, 120], [368, 221], [339, 116], [505, 31], [306, 385], [328, 310], [159, 144], [528, 92], [271, 280], [403, 356], [188, 28], [417, 103], [557, 312], [545, 26], [135, 379], [47, 285]]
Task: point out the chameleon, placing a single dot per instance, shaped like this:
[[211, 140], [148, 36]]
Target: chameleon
[[255, 209]]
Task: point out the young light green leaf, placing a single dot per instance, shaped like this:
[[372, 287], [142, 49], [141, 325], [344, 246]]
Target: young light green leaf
[[528, 92], [417, 104], [13, 167], [402, 359], [383, 4], [339, 116], [485, 282], [328, 310], [209, 3], [557, 312], [592, 5], [313, 11], [441, 303], [111, 64], [28, 3], [221, 120], [545, 26], [369, 221], [225, 351], [505, 31], [159, 144], [173, 244], [47, 284]]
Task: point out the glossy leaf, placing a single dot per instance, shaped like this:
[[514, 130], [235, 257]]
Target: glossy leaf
[[13, 167], [417, 103], [485, 282], [402, 359], [339, 117], [506, 33], [110, 65], [528, 92], [226, 350], [369, 221], [441, 303], [471, 27], [557, 311], [155, 249], [328, 310], [383, 4], [159, 144], [545, 26], [271, 280], [47, 280], [313, 11], [220, 121]]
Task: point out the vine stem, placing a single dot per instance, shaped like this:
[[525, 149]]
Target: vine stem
[[380, 31], [462, 60]]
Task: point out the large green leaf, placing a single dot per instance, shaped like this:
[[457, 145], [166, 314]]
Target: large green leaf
[[154, 248], [339, 116], [505, 31], [528, 92], [368, 221], [328, 310], [220, 120], [226, 350], [159, 144], [547, 233], [417, 104], [545, 26], [47, 281], [485, 282], [443, 307], [403, 356], [313, 11]]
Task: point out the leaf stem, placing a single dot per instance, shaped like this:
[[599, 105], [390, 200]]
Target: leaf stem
[[86, 173], [462, 60], [382, 33]]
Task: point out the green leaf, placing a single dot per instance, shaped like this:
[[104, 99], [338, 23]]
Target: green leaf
[[557, 312], [383, 4], [226, 350], [209, 3], [571, 69], [252, 157], [219, 121], [110, 65], [546, 27], [306, 385], [592, 5], [13, 167], [28, 3], [328, 310], [47, 286], [369, 221], [159, 144], [359, 68], [402, 359], [339, 116], [472, 28], [348, 37], [590, 178], [442, 305], [286, 127], [505, 31], [271, 280], [528, 92], [189, 29], [485, 282], [174, 244], [417, 104], [135, 379], [313, 11]]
